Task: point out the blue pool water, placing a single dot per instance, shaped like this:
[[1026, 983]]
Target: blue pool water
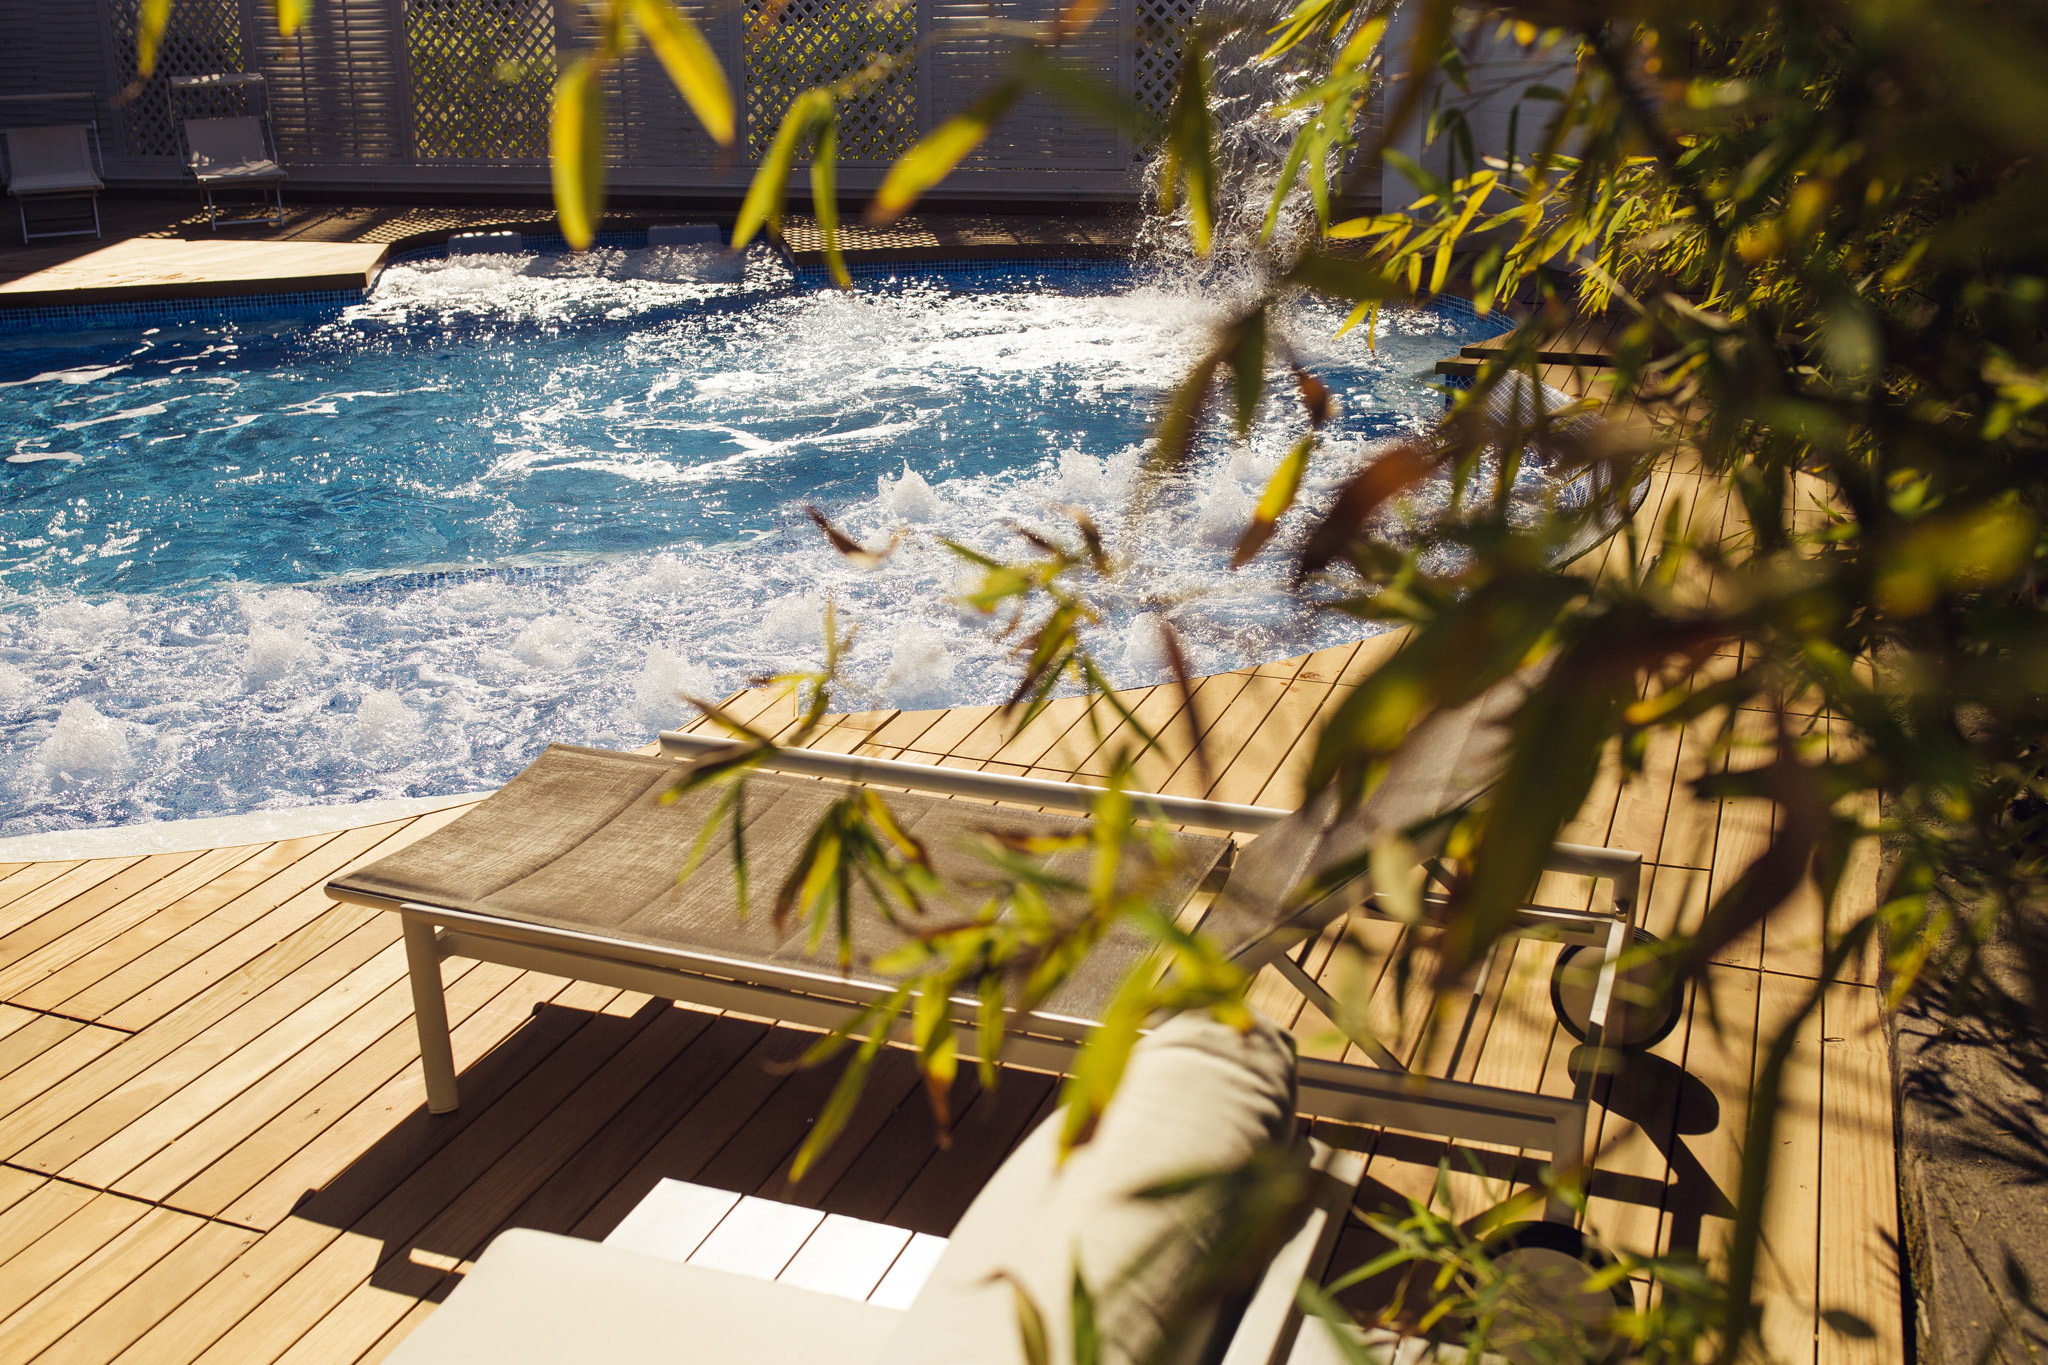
[[391, 550]]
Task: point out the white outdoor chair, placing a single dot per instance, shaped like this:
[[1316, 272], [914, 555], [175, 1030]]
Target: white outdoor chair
[[224, 153], [60, 162]]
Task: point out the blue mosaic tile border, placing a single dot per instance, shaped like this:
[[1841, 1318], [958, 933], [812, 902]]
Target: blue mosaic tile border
[[813, 274], [155, 312]]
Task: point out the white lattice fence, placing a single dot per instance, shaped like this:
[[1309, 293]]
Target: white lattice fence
[[481, 73], [790, 47], [447, 92], [1160, 32]]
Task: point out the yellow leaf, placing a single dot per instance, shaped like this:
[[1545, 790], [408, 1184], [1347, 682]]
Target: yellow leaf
[[149, 33], [825, 200], [937, 153], [690, 63], [763, 204], [576, 147], [290, 14]]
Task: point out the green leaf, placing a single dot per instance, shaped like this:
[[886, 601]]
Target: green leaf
[[1190, 157], [825, 199], [1031, 1333], [576, 148], [690, 64], [150, 20], [935, 154], [1344, 277], [1248, 368], [1087, 1338]]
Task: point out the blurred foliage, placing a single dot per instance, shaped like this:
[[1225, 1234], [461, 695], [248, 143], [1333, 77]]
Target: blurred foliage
[[1823, 228]]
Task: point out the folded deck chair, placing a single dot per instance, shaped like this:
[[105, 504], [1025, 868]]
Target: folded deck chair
[[60, 162], [571, 869], [228, 152]]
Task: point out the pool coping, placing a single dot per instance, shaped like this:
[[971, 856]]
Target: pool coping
[[224, 831]]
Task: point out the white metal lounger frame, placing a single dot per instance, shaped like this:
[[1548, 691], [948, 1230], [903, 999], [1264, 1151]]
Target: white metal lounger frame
[[99, 159], [1386, 1096], [273, 213]]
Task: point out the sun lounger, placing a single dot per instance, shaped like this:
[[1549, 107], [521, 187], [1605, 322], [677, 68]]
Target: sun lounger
[[571, 869], [59, 162], [225, 153]]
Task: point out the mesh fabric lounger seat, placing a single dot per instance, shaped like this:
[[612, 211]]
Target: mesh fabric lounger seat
[[571, 869], [53, 163], [226, 152]]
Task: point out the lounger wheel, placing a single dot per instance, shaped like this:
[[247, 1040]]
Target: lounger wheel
[[1638, 1015], [1551, 1307]]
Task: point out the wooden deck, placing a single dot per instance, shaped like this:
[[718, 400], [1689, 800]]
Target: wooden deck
[[215, 1145], [162, 249]]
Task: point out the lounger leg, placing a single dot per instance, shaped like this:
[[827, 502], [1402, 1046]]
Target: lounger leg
[[430, 1012]]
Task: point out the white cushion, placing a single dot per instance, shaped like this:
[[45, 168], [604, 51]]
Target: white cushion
[[536, 1298], [1198, 1096]]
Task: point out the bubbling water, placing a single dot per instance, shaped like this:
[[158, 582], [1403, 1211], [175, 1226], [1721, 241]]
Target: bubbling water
[[507, 503]]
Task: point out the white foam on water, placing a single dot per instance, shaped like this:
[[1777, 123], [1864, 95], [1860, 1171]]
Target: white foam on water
[[658, 694], [84, 747], [218, 700], [908, 496]]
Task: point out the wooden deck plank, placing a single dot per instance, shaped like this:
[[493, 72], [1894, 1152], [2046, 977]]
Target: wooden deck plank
[[115, 912], [64, 1057], [155, 1154], [291, 1306], [232, 953], [20, 912], [647, 1038], [1788, 1270], [41, 1265], [1858, 1237], [70, 1300], [62, 987], [256, 1186], [115, 1324], [32, 877], [210, 1028], [103, 998], [33, 928], [177, 1079]]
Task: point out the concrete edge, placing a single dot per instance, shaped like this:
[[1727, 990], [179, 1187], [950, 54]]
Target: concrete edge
[[229, 831]]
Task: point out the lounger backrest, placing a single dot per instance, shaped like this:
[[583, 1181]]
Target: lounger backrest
[[1447, 761], [46, 160], [224, 146]]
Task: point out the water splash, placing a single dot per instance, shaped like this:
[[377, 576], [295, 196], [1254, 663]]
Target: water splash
[[393, 554]]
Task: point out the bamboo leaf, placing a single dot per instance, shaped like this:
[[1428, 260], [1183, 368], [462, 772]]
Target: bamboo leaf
[[1190, 157], [825, 203], [763, 205], [935, 154], [291, 14], [690, 63], [1248, 368], [576, 150], [150, 20], [1274, 502]]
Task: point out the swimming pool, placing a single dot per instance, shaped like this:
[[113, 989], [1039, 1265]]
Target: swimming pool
[[391, 550]]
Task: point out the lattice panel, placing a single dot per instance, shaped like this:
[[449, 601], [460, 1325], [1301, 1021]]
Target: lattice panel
[[202, 38], [1162, 33], [791, 47], [482, 72]]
